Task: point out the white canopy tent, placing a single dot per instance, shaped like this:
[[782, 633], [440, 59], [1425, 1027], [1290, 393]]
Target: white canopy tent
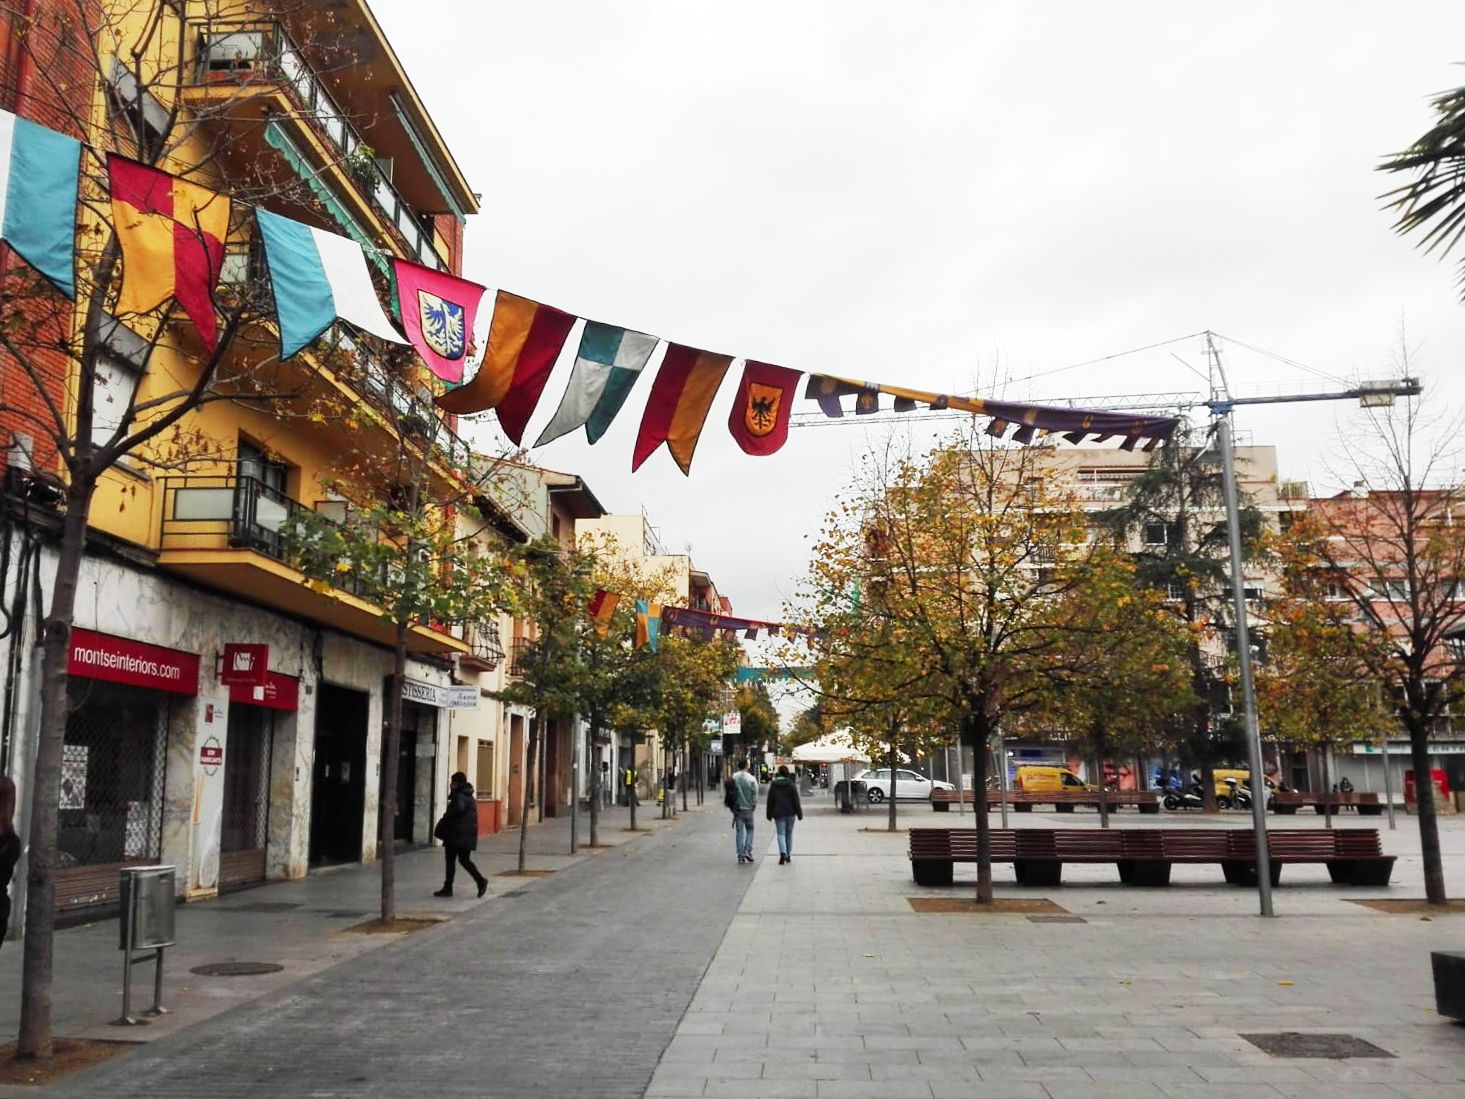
[[835, 747]]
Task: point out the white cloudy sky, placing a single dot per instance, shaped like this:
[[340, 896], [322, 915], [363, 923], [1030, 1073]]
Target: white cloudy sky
[[943, 195]]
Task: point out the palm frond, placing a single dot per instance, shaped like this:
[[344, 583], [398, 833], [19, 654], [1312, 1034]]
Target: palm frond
[[1434, 201]]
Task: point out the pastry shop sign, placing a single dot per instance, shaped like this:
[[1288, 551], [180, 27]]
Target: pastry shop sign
[[93, 655]]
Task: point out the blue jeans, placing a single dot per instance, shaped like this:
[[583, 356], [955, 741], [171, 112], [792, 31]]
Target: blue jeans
[[743, 832], [784, 826]]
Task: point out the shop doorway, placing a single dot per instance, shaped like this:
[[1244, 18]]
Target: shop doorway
[[516, 770], [338, 782], [111, 798], [246, 815], [416, 766]]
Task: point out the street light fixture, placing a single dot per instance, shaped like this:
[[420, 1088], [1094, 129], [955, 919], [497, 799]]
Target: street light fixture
[[1372, 394]]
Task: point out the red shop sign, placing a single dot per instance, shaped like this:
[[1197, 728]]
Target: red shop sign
[[95, 655], [245, 665], [280, 692]]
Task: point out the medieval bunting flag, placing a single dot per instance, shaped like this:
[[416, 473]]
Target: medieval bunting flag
[[759, 419], [437, 311], [602, 610], [607, 365], [317, 277], [648, 624], [1032, 420], [680, 397], [39, 170], [524, 340], [172, 237]]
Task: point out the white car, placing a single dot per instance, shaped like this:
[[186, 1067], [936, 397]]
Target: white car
[[908, 784]]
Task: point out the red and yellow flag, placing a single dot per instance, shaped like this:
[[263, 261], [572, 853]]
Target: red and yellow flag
[[602, 610], [172, 237], [524, 340], [680, 397], [759, 419]]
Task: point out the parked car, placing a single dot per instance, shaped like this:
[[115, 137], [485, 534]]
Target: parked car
[[908, 785], [1034, 777]]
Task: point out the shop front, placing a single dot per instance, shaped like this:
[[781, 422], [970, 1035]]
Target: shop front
[[121, 693], [417, 759], [245, 818]]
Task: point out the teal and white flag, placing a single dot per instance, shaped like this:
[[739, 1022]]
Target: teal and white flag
[[39, 170], [318, 276], [606, 367]]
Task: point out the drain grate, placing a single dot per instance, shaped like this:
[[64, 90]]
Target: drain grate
[[1334, 1047], [236, 969], [262, 906], [1056, 919], [515, 893]]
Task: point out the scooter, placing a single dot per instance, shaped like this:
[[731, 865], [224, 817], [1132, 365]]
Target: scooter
[[1175, 798]]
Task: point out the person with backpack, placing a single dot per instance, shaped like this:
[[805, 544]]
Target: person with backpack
[[784, 807]]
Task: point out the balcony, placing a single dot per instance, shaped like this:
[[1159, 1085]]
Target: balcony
[[228, 533], [239, 62], [518, 651], [487, 648]]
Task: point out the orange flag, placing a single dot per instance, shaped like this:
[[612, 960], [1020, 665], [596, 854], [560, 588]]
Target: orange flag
[[172, 237]]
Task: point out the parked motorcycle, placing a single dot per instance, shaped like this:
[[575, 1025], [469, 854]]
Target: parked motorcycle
[[1177, 798]]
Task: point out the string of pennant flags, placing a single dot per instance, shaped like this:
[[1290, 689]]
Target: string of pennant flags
[[653, 618], [172, 232]]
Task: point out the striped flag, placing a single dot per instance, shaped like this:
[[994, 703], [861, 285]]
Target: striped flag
[[172, 237], [609, 361], [524, 340], [39, 170], [602, 610], [318, 276], [680, 397]]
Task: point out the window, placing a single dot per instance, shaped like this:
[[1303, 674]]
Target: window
[[1174, 593], [114, 381], [254, 464], [1162, 534]]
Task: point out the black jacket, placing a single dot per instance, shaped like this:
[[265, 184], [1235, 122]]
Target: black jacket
[[783, 799], [459, 826], [9, 856]]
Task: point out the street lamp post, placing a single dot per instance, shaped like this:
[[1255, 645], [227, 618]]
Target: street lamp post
[[1368, 394]]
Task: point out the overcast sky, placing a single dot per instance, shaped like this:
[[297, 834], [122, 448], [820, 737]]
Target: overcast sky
[[951, 196]]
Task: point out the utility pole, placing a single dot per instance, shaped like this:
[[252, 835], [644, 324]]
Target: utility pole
[[1221, 405]]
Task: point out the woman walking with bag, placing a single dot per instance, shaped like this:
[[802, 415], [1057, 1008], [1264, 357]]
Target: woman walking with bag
[[784, 808], [459, 832]]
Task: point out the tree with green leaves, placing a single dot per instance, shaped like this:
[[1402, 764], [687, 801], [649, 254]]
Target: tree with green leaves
[[1434, 201], [758, 720], [1120, 677], [689, 679], [409, 543], [1313, 689], [937, 580], [1173, 524]]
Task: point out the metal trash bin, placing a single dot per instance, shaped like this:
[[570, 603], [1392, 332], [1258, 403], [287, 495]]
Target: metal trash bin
[[146, 923]]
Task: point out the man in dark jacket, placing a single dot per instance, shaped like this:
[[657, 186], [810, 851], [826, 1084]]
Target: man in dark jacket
[[9, 850], [459, 832], [784, 808]]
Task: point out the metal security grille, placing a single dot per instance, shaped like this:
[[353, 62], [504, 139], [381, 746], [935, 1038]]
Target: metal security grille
[[111, 801], [246, 808]]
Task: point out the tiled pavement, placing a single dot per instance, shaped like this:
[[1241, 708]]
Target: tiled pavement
[[829, 985]]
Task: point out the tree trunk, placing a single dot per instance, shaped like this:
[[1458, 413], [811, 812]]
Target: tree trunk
[[682, 777], [894, 726], [977, 732], [1429, 828], [386, 825], [529, 786], [34, 1038], [1327, 785], [665, 769], [1208, 788], [594, 783], [631, 788], [1101, 750]]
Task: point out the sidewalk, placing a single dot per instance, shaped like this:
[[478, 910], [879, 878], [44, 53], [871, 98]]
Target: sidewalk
[[829, 985], [300, 925]]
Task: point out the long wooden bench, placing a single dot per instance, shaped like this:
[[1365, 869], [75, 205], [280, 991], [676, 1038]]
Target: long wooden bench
[[1289, 801], [1063, 801], [1353, 856]]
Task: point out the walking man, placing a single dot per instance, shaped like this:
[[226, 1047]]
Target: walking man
[[784, 808], [746, 787], [459, 832]]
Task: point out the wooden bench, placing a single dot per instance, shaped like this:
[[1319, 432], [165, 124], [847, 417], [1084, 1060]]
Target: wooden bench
[[1289, 801], [1353, 856], [1063, 801]]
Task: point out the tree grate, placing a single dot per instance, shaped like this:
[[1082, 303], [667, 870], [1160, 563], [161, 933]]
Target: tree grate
[[260, 906], [1056, 919], [1333, 1047]]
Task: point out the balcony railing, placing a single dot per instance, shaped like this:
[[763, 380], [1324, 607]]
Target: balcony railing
[[518, 652], [254, 54]]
